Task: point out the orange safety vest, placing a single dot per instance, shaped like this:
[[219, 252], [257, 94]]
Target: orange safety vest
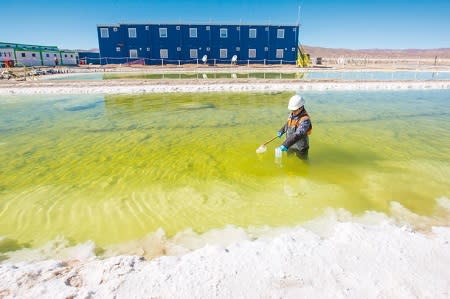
[[296, 122]]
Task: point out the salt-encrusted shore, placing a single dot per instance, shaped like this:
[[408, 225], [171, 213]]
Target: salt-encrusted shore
[[354, 261], [335, 256], [200, 85]]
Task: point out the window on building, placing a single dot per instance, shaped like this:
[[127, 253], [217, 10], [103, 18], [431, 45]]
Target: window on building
[[104, 32], [117, 49], [266, 49], [293, 49], [280, 33], [280, 53], [267, 28], [147, 27], [47, 55], [115, 29], [251, 53], [238, 28], [178, 49], [223, 53], [238, 49], [132, 32], [23, 55], [252, 33], [208, 49], [164, 53], [71, 55], [163, 33], [65, 55], [33, 54], [223, 32], [54, 55], [193, 53], [207, 28], [133, 53], [148, 49], [0, 54], [192, 32]]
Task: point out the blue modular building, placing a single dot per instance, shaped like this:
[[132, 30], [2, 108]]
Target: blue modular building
[[197, 43]]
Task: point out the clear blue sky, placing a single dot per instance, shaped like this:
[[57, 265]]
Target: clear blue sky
[[334, 24]]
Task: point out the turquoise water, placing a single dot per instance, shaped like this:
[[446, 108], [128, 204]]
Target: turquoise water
[[112, 169]]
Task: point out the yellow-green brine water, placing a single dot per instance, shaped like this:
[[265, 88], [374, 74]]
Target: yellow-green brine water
[[115, 168]]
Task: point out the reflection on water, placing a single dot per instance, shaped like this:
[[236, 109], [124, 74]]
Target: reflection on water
[[114, 169]]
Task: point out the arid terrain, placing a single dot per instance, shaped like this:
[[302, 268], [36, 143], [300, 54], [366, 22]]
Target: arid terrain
[[443, 53]]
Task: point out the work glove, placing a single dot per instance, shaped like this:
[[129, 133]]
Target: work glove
[[283, 148], [279, 134]]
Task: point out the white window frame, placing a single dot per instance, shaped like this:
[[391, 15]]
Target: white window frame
[[193, 32], [279, 54], [193, 53], [117, 49], [223, 32], [163, 53], [251, 53], [223, 53], [163, 32], [147, 27], [104, 32], [132, 33], [115, 29], [250, 31], [207, 28], [148, 49], [133, 53], [280, 33]]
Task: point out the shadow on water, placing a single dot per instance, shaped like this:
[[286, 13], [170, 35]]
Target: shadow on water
[[7, 245], [334, 155]]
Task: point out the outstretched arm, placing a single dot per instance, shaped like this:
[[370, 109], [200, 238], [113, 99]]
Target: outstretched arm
[[282, 130]]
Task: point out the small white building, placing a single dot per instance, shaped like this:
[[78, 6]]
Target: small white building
[[7, 57], [69, 57], [50, 58], [25, 57]]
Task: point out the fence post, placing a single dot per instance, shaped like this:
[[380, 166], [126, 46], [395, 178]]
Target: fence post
[[179, 62], [264, 62], [248, 62], [197, 62], [162, 62], [214, 61]]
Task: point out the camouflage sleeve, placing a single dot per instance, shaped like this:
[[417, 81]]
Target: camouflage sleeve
[[301, 131], [283, 129]]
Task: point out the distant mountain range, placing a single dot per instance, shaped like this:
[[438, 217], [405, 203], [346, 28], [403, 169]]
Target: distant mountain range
[[378, 53]]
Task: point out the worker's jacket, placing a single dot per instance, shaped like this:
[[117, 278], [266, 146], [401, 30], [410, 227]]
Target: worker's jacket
[[297, 129]]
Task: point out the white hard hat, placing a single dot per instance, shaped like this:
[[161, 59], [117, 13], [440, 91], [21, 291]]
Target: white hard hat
[[296, 102]]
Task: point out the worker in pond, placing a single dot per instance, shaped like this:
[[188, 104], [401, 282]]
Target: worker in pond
[[297, 129]]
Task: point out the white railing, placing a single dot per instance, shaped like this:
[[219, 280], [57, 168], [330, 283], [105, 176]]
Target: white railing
[[194, 61]]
